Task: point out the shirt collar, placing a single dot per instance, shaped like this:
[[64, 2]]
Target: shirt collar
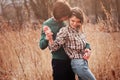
[[74, 29]]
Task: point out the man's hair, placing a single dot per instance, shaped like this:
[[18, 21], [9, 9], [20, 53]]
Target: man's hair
[[61, 9], [78, 13]]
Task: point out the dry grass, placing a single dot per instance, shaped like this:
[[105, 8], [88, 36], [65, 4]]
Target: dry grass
[[104, 61], [22, 59]]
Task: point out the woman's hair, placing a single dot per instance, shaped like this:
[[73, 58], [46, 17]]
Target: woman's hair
[[78, 13], [61, 9]]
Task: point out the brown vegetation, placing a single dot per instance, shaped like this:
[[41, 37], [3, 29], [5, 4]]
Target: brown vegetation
[[20, 55], [22, 59], [104, 60]]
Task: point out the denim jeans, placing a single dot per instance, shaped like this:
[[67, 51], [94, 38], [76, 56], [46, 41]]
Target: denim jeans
[[80, 67]]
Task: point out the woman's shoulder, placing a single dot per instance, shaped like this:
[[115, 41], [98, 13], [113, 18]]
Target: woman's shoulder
[[82, 34]]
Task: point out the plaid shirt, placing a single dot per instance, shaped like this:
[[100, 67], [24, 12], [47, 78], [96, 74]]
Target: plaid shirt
[[73, 42]]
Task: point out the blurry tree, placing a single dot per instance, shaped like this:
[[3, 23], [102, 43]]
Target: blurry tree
[[40, 8], [112, 14], [18, 9], [118, 9], [3, 5], [27, 8], [107, 11]]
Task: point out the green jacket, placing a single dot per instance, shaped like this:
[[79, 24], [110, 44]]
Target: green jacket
[[55, 27]]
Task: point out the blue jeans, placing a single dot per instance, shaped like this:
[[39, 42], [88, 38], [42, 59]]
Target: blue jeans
[[80, 67]]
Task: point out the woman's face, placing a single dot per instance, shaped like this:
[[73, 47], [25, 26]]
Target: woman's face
[[74, 22]]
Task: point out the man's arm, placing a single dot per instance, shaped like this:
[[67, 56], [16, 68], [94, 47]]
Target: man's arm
[[87, 51], [43, 42], [87, 46]]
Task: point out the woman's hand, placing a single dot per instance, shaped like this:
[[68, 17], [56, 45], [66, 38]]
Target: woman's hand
[[48, 32], [87, 54]]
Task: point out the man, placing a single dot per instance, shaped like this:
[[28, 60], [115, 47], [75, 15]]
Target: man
[[60, 61]]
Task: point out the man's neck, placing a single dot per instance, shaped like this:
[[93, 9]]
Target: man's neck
[[57, 20]]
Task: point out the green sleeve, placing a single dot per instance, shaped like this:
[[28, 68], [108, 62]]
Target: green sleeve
[[43, 42], [88, 46]]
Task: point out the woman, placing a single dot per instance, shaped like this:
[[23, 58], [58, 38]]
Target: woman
[[74, 43]]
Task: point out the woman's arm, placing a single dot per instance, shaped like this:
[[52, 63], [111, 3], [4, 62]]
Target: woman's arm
[[59, 41]]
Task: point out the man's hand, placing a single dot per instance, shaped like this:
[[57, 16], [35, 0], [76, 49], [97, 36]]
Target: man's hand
[[87, 54]]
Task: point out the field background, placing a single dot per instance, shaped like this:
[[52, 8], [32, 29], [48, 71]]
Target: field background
[[22, 59], [20, 28]]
